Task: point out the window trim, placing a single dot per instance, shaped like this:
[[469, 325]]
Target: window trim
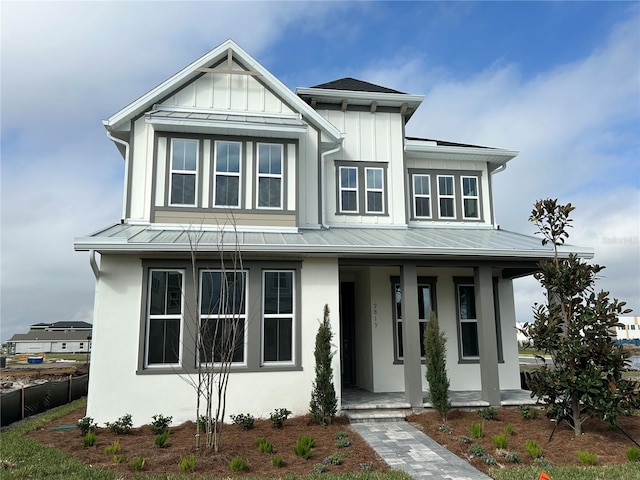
[[294, 292], [361, 189], [239, 174], [368, 189], [208, 316], [173, 171], [464, 197], [415, 196], [148, 319], [423, 281], [279, 176]]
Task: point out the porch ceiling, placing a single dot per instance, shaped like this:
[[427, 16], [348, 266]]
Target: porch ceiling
[[443, 243]]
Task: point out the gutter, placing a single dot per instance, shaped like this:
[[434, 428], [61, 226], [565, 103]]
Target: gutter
[[126, 172], [323, 158]]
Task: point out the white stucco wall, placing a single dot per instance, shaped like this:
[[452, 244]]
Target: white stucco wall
[[115, 388]]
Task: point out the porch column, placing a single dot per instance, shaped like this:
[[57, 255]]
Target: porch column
[[411, 335], [487, 342]]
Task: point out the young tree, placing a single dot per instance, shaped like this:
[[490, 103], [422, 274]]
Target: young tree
[[574, 328], [435, 352], [324, 403]]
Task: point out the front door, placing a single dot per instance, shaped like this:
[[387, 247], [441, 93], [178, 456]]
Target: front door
[[347, 333]]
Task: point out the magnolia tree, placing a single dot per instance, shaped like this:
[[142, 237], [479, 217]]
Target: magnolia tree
[[574, 327]]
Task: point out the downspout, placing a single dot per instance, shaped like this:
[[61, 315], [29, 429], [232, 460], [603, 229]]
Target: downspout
[[94, 264], [501, 168], [126, 172], [323, 158]]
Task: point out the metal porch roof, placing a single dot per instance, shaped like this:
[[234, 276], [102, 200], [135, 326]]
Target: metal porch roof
[[338, 242]]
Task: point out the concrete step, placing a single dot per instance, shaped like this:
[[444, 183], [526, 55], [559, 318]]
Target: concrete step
[[376, 416]]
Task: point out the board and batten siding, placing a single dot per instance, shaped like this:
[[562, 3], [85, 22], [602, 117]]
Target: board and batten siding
[[370, 137]]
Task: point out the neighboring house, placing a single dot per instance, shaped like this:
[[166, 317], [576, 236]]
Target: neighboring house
[[329, 203], [58, 337], [629, 328]]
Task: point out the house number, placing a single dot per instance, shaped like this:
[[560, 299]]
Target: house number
[[375, 315]]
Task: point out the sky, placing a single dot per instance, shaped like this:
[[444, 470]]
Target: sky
[[557, 81]]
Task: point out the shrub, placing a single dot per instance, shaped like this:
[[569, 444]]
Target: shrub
[[541, 462], [444, 428], [489, 413], [333, 459], [476, 450], [86, 425], [277, 461], [264, 445], [160, 423], [303, 446], [368, 467], [527, 412], [464, 439], [488, 459], [121, 426], [587, 458], [512, 457], [319, 468], [112, 449], [633, 454], [340, 435], [476, 430], [508, 429], [324, 404], [137, 463], [435, 354], [238, 464], [533, 449], [89, 439], [244, 420], [278, 416], [118, 458], [343, 442], [187, 463], [162, 439], [500, 441], [203, 420]]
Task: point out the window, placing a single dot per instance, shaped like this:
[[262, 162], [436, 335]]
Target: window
[[184, 161], [227, 174], [164, 316], [269, 176], [422, 196], [278, 310], [222, 316], [468, 321], [348, 189], [426, 303], [446, 197], [470, 198], [374, 186], [64, 346]]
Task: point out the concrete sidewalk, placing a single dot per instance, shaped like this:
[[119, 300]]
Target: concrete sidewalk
[[406, 448]]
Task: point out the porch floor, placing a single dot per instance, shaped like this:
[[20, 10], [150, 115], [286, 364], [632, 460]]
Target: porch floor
[[354, 398]]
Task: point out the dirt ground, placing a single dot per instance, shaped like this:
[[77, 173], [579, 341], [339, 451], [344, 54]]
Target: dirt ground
[[610, 446], [140, 442]]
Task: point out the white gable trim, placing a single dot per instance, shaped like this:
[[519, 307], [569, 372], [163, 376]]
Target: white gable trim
[[119, 120]]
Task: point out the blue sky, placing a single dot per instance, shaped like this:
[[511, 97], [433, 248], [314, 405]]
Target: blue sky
[[558, 81]]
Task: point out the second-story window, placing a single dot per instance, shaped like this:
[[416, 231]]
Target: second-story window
[[227, 173], [270, 176], [470, 197], [348, 189], [184, 171], [374, 185], [422, 196], [446, 197]]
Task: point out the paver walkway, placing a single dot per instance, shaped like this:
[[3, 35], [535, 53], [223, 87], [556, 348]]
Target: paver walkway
[[406, 448]]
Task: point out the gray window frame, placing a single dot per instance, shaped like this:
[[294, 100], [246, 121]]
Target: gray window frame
[[195, 173], [253, 349], [361, 188], [264, 316], [422, 281], [434, 194], [470, 281]]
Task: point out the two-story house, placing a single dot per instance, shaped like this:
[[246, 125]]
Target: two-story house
[[327, 202]]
